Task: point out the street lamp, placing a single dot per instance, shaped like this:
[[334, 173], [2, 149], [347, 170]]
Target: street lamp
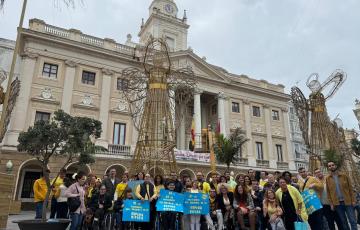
[[9, 167]]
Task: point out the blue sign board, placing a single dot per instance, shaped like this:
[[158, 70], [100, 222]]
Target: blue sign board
[[136, 211], [196, 203], [133, 184], [311, 200], [170, 201]]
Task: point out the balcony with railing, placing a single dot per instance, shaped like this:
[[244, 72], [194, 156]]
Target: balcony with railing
[[117, 151], [263, 163], [282, 165], [242, 162], [77, 35]]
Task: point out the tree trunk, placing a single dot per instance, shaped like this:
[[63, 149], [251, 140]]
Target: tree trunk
[[46, 201]]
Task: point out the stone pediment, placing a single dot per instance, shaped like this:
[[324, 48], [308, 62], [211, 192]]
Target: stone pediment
[[200, 67]]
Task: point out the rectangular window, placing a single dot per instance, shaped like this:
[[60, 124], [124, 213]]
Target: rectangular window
[[119, 133], [88, 78], [214, 109], [235, 107], [42, 116], [275, 115], [122, 84], [50, 70], [279, 153], [259, 151], [171, 43], [256, 111], [297, 151]]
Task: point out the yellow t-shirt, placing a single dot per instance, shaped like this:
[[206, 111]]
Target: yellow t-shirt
[[59, 181], [120, 190], [158, 188], [205, 187]]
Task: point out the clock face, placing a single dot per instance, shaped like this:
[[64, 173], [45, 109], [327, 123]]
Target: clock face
[[169, 8]]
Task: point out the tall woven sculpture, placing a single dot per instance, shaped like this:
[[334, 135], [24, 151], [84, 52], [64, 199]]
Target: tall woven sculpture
[[152, 94], [318, 131]]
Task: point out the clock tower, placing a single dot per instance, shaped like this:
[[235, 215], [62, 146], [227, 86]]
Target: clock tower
[[164, 23]]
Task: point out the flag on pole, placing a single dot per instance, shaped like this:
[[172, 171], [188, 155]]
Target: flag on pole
[[193, 133], [217, 130]]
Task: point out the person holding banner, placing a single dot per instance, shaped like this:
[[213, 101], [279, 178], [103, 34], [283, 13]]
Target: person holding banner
[[292, 204], [170, 220], [120, 194], [147, 191], [195, 218], [311, 183], [118, 208]]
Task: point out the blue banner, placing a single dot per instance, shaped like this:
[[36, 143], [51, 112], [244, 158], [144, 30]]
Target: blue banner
[[196, 203], [311, 200], [136, 211], [133, 184], [170, 201]]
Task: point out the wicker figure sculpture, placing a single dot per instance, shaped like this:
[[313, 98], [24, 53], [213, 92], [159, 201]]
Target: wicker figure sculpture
[[152, 95], [318, 131]]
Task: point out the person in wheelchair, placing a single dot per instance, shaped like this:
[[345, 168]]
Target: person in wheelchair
[[99, 204], [118, 209], [170, 220]]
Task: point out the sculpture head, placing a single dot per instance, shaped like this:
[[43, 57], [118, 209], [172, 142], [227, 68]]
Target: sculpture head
[[313, 83]]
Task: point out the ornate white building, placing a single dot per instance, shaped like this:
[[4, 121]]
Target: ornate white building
[[297, 141], [81, 74]]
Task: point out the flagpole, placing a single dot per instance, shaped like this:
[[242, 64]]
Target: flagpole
[[12, 68]]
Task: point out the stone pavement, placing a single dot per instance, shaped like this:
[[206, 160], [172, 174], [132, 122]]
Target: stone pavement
[[30, 215]]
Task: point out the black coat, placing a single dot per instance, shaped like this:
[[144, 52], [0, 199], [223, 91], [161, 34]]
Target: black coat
[[220, 201], [97, 199], [110, 187]]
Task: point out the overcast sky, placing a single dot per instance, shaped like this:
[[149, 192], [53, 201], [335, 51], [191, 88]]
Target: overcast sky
[[281, 41]]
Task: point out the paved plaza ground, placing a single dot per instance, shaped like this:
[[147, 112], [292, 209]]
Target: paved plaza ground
[[29, 215]]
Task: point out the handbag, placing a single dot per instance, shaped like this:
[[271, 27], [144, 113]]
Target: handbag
[[300, 225], [278, 224], [74, 202]]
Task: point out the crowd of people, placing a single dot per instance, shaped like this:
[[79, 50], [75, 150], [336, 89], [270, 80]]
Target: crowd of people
[[256, 200]]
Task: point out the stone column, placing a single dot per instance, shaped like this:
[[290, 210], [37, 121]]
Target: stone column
[[249, 143], [197, 118], [290, 155], [182, 128], [221, 112], [105, 105], [20, 111], [270, 147], [69, 79]]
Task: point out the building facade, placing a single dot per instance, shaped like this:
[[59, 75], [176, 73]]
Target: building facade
[[297, 142], [81, 74]]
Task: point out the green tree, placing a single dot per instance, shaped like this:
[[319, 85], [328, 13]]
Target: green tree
[[355, 146], [332, 155], [227, 149], [64, 136]]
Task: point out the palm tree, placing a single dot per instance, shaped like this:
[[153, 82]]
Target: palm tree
[[227, 149]]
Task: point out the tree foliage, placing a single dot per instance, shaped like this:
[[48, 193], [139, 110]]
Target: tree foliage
[[332, 155], [66, 136], [227, 149], [355, 146]]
